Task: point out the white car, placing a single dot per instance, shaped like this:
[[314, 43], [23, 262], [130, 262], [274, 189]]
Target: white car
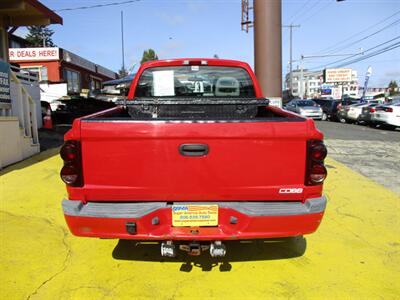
[[387, 114], [354, 111]]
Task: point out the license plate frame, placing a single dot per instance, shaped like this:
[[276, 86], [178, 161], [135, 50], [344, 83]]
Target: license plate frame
[[194, 215]]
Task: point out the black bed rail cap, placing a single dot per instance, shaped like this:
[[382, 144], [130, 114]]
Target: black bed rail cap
[[194, 101]]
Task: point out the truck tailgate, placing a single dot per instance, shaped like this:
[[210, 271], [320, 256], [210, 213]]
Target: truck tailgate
[[141, 161]]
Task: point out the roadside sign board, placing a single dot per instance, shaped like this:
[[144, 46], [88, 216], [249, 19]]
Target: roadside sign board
[[31, 54], [4, 82], [337, 75]]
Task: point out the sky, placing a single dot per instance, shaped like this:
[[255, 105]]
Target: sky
[[202, 28]]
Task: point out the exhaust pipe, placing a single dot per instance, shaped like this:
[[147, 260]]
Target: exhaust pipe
[[217, 249], [168, 249]]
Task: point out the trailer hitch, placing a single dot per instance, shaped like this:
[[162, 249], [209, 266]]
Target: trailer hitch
[[194, 248]]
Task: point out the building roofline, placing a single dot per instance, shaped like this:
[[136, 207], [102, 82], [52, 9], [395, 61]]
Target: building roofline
[[54, 18]]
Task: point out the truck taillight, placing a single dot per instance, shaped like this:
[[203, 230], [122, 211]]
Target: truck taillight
[[71, 172], [315, 171]]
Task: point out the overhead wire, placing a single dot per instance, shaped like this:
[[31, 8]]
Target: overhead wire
[[377, 52], [354, 55], [365, 37], [328, 49], [298, 11], [97, 5], [346, 60], [315, 12]]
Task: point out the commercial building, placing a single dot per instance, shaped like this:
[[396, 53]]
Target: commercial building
[[20, 111], [305, 83], [56, 65], [310, 84]]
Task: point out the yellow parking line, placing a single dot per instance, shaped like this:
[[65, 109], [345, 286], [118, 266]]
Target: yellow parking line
[[354, 254]]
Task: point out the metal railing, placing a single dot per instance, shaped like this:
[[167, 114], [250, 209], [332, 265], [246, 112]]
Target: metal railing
[[25, 75], [25, 106]]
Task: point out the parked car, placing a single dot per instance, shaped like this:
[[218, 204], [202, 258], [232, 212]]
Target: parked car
[[366, 113], [354, 111], [343, 108], [305, 108], [388, 114], [329, 108], [191, 167], [68, 110]]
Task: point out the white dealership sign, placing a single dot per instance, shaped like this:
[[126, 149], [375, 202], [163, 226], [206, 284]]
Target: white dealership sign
[[337, 75], [29, 54]]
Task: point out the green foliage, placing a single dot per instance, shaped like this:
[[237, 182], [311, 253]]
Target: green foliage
[[393, 87], [149, 55], [122, 72], [37, 34]]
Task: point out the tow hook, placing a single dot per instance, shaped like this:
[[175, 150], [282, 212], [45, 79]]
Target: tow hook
[[168, 249], [217, 249], [194, 248]]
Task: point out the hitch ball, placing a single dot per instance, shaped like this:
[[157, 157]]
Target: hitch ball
[[217, 249]]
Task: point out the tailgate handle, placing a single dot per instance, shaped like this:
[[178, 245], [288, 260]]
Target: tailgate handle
[[193, 149]]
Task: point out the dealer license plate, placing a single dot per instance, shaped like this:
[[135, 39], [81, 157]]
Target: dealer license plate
[[194, 215]]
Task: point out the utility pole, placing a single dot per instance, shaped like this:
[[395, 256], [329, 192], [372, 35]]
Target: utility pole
[[122, 40], [268, 46], [291, 26], [301, 93]]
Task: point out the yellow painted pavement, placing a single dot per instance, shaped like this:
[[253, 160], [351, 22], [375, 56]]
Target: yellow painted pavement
[[355, 254]]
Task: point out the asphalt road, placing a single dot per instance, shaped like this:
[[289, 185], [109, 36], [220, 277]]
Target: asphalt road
[[373, 152], [343, 131]]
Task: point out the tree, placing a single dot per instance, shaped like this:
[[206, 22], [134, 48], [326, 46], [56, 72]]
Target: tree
[[149, 55], [40, 36], [393, 87], [122, 72]]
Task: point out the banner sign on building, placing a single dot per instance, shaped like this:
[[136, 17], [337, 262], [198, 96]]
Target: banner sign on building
[[4, 82], [337, 75], [29, 54]]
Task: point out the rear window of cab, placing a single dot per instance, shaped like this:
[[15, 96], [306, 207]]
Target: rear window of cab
[[195, 81]]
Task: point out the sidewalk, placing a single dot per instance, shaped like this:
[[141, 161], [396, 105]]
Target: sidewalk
[[354, 254]]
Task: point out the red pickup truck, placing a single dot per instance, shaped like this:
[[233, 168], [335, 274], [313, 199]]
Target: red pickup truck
[[194, 156]]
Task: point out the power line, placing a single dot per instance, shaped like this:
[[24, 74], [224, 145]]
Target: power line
[[358, 33], [386, 49], [298, 11], [368, 50], [316, 11], [97, 5], [366, 37]]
